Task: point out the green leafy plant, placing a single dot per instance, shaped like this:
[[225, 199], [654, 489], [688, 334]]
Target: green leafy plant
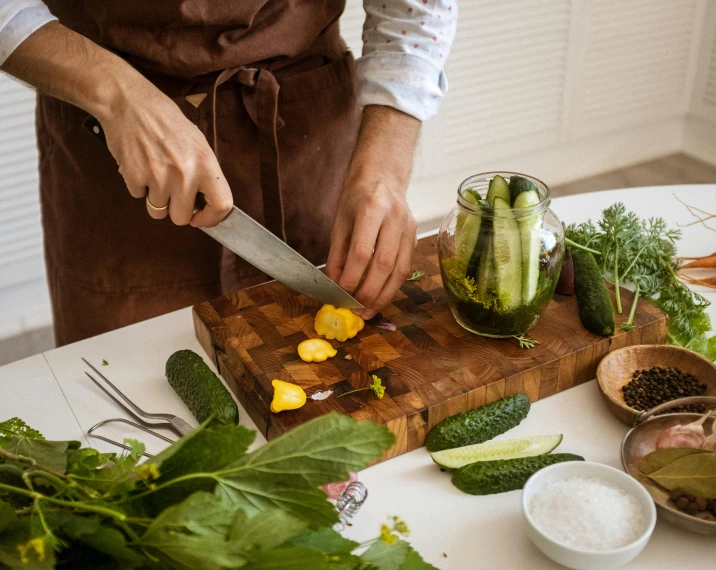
[[205, 502], [416, 276], [642, 253]]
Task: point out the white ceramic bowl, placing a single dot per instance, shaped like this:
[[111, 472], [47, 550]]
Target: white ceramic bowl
[[587, 559]]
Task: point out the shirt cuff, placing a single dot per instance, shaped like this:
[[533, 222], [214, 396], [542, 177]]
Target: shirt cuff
[[404, 81], [18, 20]]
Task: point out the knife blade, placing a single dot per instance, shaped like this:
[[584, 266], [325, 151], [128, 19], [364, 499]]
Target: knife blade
[[251, 241]]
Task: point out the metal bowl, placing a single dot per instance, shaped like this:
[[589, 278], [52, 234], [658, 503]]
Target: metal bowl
[[641, 440]]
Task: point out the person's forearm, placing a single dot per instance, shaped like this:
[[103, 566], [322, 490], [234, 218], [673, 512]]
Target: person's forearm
[[66, 65], [385, 147]]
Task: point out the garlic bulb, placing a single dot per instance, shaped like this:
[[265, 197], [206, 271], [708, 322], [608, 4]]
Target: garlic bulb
[[689, 435]]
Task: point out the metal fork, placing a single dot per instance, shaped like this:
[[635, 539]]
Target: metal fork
[[172, 422]]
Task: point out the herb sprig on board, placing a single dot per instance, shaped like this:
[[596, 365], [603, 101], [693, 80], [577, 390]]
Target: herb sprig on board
[[642, 253], [204, 502]]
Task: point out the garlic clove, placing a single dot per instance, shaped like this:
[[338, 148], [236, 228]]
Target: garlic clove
[[689, 435]]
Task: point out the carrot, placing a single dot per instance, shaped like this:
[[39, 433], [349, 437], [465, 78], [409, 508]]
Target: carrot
[[701, 263], [706, 281], [699, 257]]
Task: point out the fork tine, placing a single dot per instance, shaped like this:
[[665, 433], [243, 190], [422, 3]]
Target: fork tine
[[129, 402]]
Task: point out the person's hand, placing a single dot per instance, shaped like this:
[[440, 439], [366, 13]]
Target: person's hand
[[164, 157], [374, 233]]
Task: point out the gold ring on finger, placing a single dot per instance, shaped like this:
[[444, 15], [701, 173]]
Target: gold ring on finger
[[155, 208]]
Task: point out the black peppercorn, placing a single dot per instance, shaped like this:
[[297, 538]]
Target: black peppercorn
[[649, 388]]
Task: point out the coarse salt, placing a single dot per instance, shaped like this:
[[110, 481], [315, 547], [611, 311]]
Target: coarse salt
[[587, 513]]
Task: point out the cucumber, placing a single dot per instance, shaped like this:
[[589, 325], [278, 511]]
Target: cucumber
[[595, 305], [486, 269], [498, 189], [467, 230], [508, 257], [519, 184], [200, 389], [530, 227], [494, 450], [478, 425], [489, 477]]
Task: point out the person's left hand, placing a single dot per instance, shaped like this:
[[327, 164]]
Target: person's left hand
[[374, 233]]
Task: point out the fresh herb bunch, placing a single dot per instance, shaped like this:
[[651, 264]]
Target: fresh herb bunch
[[203, 503], [643, 253]]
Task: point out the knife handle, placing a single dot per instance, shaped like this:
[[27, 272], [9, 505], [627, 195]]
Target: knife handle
[[93, 127]]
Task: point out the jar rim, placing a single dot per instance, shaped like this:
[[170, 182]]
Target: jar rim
[[484, 178]]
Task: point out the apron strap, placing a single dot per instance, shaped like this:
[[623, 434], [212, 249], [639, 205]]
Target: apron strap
[[260, 97]]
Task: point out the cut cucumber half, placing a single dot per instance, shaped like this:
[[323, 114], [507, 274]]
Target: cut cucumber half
[[493, 450], [486, 269], [467, 230], [498, 189], [507, 245], [531, 244], [519, 184]]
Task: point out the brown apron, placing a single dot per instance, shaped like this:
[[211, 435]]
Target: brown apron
[[279, 111]]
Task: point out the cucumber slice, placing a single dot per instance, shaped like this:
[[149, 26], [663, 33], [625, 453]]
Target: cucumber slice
[[531, 244], [508, 257], [493, 450], [467, 230], [498, 189], [519, 184], [486, 271]]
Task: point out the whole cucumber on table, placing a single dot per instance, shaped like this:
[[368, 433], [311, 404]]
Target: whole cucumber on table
[[200, 389], [490, 477], [595, 305], [478, 425]]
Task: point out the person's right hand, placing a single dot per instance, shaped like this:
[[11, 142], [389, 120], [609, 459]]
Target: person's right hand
[[164, 157]]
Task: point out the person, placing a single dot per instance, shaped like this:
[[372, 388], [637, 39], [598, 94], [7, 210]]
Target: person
[[256, 103]]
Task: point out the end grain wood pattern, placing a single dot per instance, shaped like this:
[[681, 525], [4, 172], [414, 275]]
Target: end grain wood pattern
[[431, 367]]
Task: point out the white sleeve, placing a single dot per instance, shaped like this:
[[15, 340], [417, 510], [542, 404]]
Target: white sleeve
[[18, 19], [405, 45]]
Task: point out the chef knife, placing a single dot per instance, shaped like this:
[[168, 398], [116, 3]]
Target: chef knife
[[250, 240]]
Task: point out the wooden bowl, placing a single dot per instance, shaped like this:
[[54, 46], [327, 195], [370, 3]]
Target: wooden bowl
[[616, 369]]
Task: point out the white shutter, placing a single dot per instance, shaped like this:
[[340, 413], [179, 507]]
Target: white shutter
[[20, 232], [352, 26], [506, 72], [635, 63], [708, 96]]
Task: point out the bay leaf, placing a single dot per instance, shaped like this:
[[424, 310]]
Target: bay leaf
[[662, 457], [695, 474]]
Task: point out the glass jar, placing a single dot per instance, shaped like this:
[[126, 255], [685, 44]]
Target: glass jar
[[500, 261]]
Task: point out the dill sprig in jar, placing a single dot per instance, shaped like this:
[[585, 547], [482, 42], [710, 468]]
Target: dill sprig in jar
[[500, 251]]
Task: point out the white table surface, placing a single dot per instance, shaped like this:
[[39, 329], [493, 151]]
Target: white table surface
[[450, 529]]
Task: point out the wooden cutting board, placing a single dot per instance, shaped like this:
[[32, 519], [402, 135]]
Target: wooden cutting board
[[431, 367]]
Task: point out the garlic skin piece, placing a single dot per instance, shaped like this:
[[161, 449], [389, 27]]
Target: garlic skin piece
[[689, 435], [710, 442]]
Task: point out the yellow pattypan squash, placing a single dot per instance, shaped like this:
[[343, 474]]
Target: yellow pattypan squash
[[286, 396], [340, 324], [315, 350]]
